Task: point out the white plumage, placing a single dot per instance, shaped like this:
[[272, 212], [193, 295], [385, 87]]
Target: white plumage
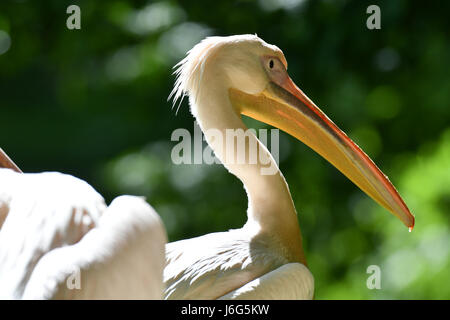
[[211, 266], [56, 229]]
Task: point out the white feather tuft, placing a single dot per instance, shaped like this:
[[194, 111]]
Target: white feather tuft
[[189, 71]]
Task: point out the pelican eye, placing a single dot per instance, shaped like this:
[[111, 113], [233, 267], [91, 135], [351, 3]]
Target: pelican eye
[[271, 64]]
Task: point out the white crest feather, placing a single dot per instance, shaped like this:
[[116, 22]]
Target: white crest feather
[[189, 71]]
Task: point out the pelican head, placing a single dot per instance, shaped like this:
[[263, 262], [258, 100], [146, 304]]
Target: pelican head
[[252, 76]]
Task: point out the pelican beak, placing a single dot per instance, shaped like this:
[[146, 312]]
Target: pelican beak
[[6, 162], [286, 107]]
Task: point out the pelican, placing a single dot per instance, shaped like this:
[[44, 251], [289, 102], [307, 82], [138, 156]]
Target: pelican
[[225, 78], [55, 228], [59, 240]]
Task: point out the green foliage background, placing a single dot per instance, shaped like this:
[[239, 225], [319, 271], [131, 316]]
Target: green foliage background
[[93, 103]]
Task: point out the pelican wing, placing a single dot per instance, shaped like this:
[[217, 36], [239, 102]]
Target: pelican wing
[[213, 265], [59, 240], [40, 212], [122, 258], [292, 281]]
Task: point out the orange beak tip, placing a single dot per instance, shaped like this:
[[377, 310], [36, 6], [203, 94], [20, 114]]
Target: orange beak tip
[[411, 227]]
